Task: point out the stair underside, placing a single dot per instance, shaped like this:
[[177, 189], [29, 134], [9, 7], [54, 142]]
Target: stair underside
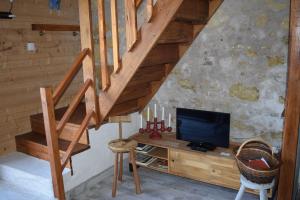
[[162, 58], [174, 41]]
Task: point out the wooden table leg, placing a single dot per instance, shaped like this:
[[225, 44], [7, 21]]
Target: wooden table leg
[[135, 174], [121, 167], [115, 180]]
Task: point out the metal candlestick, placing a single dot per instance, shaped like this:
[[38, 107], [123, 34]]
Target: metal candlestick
[[153, 129]]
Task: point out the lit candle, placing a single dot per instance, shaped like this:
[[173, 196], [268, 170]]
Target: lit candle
[[155, 113], [169, 119], [141, 116], [148, 114], [163, 114]]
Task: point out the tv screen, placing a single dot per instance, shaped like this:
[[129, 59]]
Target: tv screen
[[199, 126]]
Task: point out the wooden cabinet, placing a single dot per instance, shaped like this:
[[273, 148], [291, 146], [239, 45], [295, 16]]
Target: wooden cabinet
[[216, 167], [207, 168]]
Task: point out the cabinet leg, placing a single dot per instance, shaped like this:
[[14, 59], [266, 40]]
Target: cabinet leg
[[240, 193]]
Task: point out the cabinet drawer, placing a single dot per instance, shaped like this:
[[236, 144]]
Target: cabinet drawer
[[204, 167]]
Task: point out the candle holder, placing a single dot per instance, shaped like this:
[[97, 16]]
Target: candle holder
[[153, 129]]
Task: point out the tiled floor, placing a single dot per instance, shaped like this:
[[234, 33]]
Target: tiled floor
[[155, 186]]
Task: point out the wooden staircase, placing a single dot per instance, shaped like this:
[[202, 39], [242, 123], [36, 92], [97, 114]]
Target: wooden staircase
[[152, 52], [34, 143]]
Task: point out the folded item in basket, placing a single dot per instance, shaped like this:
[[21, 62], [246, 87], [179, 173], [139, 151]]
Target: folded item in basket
[[259, 164]]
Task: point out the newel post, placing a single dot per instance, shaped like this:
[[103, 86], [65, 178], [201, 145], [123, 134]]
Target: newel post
[[52, 142]]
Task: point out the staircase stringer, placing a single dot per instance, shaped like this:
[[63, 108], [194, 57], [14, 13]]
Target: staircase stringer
[[164, 11]]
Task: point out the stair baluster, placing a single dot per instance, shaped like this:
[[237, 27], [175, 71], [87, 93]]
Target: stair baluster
[[131, 23], [105, 75], [149, 10], [115, 35]]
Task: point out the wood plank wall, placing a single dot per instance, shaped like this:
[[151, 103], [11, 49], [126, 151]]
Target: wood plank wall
[[23, 73]]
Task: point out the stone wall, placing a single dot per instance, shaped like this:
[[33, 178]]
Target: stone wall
[[238, 64]]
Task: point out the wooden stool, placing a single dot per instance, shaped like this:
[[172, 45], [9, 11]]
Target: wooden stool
[[119, 147], [255, 186]]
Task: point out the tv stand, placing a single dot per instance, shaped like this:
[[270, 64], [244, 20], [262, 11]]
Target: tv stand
[[202, 146], [216, 167]]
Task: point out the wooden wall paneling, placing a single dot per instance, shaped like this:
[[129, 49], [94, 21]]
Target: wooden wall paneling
[[292, 108], [26, 72]]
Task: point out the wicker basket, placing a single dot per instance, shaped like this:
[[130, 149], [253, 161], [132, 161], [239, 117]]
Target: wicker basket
[[257, 149]]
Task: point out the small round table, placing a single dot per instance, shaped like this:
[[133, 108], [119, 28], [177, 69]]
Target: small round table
[[254, 186], [119, 147]]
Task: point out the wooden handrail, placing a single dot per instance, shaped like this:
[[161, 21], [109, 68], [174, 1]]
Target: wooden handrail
[[79, 133], [61, 88], [73, 105]]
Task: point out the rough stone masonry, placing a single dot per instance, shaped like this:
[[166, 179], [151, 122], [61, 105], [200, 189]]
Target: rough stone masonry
[[238, 64]]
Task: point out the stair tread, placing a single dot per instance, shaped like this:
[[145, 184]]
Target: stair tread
[[76, 118], [63, 144]]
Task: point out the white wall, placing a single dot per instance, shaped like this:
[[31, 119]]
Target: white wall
[[99, 158]]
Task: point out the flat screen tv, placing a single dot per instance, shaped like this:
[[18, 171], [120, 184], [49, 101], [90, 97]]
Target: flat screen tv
[[198, 126]]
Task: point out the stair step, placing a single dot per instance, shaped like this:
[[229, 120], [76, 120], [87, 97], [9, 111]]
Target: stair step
[[37, 123], [23, 176], [76, 118], [177, 32], [35, 145], [162, 54], [193, 11]]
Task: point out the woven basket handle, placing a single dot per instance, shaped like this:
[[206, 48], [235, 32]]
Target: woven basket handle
[[251, 141]]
